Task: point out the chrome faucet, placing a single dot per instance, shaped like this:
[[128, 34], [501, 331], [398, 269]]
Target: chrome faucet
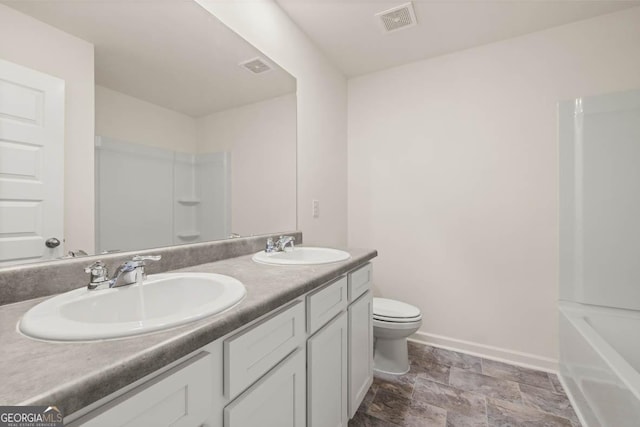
[[280, 245], [128, 273], [283, 242], [270, 246]]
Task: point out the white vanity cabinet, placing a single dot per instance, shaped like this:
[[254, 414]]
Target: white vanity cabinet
[[276, 400], [252, 352], [306, 364], [179, 397], [268, 361], [340, 354], [360, 350], [360, 335], [327, 376]]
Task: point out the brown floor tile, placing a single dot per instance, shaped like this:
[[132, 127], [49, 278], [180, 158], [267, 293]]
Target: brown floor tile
[[447, 388], [454, 359], [484, 384], [469, 405], [400, 385], [406, 412], [555, 382], [455, 419], [506, 414], [427, 368], [364, 420], [516, 373], [416, 349], [368, 398], [548, 401]]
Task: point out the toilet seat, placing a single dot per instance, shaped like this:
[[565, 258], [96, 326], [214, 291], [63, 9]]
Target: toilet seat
[[397, 319], [392, 311]]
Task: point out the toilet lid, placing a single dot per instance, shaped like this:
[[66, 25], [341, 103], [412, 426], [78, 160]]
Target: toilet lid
[[397, 320], [388, 309]]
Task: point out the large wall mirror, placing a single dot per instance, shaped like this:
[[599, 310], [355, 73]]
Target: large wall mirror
[[128, 125]]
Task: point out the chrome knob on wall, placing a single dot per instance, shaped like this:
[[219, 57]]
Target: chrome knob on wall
[[52, 243]]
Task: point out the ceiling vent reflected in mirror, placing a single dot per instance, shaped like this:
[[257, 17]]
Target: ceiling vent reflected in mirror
[[397, 18], [256, 65]]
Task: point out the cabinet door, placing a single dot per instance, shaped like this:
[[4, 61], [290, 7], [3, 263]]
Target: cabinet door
[[252, 352], [276, 400], [360, 350], [180, 397], [327, 375]]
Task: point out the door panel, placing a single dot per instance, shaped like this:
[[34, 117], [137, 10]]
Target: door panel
[[31, 164]]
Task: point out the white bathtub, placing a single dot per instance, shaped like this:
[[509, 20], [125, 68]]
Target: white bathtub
[[600, 363]]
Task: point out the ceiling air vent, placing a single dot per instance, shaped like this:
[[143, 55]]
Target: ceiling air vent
[[397, 18], [256, 65]]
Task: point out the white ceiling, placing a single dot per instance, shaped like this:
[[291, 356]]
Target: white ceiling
[[171, 53], [349, 34]]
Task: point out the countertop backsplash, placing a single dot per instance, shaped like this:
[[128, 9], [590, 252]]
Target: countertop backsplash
[[28, 281]]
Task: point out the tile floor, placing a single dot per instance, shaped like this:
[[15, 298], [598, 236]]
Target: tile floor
[[449, 389]]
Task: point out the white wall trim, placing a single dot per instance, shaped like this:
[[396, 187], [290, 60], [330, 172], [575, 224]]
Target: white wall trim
[[526, 360]]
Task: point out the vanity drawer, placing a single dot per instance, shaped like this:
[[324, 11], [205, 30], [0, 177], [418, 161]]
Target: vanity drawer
[[324, 304], [253, 352], [275, 400], [359, 281], [181, 396]]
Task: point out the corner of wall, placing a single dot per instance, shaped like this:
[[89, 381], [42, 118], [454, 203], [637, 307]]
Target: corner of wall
[[322, 112]]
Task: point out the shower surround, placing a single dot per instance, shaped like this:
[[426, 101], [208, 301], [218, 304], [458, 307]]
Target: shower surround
[[599, 251]]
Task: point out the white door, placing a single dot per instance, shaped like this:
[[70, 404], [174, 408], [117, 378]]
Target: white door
[[31, 165]]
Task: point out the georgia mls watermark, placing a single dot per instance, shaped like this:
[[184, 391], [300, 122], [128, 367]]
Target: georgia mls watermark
[[30, 416]]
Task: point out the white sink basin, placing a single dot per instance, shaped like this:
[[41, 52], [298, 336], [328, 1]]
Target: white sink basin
[[302, 255], [161, 302]]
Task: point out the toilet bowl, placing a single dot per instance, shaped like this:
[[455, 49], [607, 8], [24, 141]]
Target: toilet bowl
[[393, 322]]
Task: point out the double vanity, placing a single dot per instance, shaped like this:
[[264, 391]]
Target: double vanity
[[282, 339]]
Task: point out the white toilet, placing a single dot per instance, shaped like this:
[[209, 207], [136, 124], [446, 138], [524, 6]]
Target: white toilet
[[393, 322]]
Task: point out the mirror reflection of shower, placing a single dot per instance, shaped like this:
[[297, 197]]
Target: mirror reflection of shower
[[148, 196]]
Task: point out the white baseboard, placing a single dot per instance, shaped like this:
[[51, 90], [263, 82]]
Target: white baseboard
[[518, 358]]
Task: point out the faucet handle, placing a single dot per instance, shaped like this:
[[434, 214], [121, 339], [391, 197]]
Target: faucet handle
[[96, 268], [139, 261], [270, 246], [98, 274]]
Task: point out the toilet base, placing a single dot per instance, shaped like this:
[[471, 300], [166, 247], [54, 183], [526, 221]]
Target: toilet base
[[391, 356]]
